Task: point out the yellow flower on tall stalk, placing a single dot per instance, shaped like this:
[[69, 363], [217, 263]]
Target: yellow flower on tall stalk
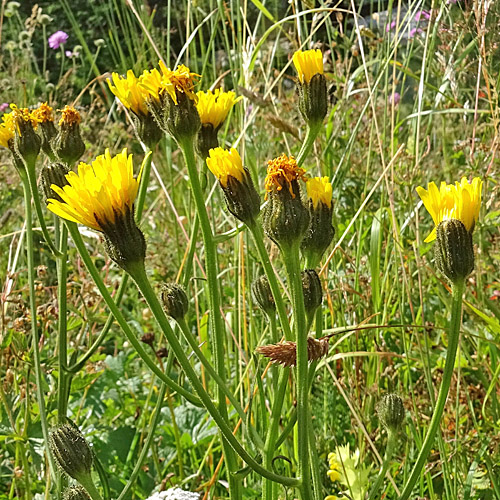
[[130, 93], [44, 113], [101, 196], [308, 63], [460, 201], [242, 199], [213, 107]]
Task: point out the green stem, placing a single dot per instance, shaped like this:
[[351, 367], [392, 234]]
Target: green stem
[[269, 489], [217, 327], [194, 345], [292, 264], [192, 249], [31, 174], [138, 273], [389, 452], [258, 238], [453, 341], [75, 234], [147, 443], [89, 485], [64, 376], [143, 188], [311, 134], [34, 326]]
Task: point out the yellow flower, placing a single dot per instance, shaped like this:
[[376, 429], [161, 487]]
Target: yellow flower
[[22, 117], [44, 113], [460, 201], [335, 468], [150, 83], [308, 64], [180, 80], [282, 171], [70, 116], [223, 163], [130, 93], [100, 193], [7, 129], [319, 191], [213, 107]]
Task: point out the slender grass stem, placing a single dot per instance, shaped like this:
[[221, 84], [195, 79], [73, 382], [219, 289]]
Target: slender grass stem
[[292, 264], [217, 326], [389, 452], [453, 341], [75, 234], [34, 325]]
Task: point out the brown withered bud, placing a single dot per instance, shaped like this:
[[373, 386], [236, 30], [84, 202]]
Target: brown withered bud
[[285, 353]]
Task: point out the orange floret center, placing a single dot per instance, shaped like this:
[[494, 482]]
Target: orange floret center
[[282, 171]]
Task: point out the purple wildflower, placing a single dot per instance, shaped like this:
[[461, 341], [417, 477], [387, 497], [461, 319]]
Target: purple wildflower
[[3, 106], [422, 15], [391, 26], [68, 53], [57, 39], [414, 31], [395, 98]]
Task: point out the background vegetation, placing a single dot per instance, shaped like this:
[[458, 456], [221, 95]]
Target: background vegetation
[[406, 109]]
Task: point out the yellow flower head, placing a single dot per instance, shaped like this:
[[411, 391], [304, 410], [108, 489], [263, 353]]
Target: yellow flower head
[[70, 116], [282, 171], [213, 107], [334, 468], [319, 190], [223, 163], [460, 201], [44, 113], [130, 93], [308, 64], [150, 83], [7, 129], [23, 117], [99, 193]]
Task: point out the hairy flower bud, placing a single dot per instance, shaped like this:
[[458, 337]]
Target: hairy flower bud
[[313, 293], [454, 250], [261, 293], [54, 173], [174, 300], [71, 451], [391, 412], [76, 493], [68, 144]]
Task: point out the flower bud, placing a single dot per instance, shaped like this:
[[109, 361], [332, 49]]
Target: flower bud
[[454, 250], [124, 241], [54, 173], [45, 19], [320, 233], [26, 141], [75, 493], [391, 412], [242, 199], [45, 117], [71, 452], [206, 140], [262, 294], [174, 300], [68, 144], [313, 293], [285, 218], [313, 97]]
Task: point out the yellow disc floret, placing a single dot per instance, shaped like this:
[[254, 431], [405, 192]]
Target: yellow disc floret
[[281, 172], [44, 113], [213, 107], [461, 201], [130, 93], [223, 163], [308, 63], [99, 192], [319, 190], [70, 116], [20, 115]]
